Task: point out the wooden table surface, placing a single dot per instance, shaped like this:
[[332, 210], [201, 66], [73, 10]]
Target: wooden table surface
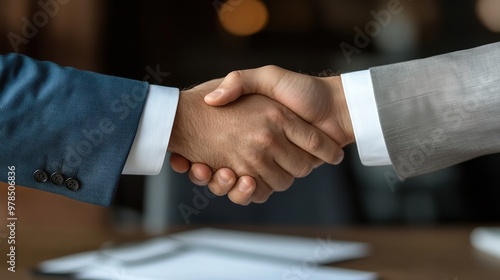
[[398, 253]]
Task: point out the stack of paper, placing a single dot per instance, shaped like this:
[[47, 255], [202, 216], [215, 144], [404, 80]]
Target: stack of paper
[[487, 240], [215, 254]]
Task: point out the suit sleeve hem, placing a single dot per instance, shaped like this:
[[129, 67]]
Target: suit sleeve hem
[[149, 148]]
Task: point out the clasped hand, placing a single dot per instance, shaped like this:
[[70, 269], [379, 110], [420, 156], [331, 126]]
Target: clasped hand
[[251, 146]]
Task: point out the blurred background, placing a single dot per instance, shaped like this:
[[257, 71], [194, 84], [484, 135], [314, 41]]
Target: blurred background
[[194, 41]]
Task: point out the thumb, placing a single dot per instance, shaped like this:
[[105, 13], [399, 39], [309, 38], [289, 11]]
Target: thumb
[[228, 91], [237, 83]]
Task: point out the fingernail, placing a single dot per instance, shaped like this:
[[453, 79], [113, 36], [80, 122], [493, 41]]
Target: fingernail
[[340, 158], [244, 187], [223, 180], [214, 94], [196, 176]]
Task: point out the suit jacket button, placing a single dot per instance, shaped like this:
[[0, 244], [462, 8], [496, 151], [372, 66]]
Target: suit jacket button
[[41, 176], [72, 184], [57, 178]]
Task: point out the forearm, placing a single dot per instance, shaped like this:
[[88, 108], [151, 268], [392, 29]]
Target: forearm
[[62, 120], [440, 111]]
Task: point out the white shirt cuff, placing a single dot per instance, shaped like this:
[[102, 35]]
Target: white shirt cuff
[[153, 133], [363, 110]]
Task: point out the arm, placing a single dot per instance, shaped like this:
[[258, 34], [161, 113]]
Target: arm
[[66, 122], [440, 111], [60, 124], [424, 126]]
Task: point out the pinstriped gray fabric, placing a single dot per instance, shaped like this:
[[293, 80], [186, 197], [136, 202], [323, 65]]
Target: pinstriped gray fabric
[[440, 111]]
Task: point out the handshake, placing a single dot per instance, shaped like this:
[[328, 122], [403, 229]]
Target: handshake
[[251, 146]]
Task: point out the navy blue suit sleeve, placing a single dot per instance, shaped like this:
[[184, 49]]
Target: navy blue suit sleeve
[[61, 120]]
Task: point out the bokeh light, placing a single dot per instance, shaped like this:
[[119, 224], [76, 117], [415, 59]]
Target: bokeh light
[[488, 12], [244, 17]]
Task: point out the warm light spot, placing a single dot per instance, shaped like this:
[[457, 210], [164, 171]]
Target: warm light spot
[[243, 17], [488, 12]]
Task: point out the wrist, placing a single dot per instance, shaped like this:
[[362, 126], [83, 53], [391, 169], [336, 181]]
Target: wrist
[[341, 110], [176, 136]]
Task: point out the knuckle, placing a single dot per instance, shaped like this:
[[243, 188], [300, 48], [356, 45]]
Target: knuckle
[[235, 75], [276, 114], [314, 142], [271, 68], [304, 170], [265, 139]]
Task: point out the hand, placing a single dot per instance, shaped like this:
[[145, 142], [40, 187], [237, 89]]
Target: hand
[[255, 136], [317, 100]]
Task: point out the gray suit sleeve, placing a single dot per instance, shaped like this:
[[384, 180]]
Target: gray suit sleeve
[[440, 111]]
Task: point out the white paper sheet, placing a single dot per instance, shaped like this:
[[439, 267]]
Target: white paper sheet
[[487, 240], [154, 248], [323, 250], [215, 254], [207, 264]]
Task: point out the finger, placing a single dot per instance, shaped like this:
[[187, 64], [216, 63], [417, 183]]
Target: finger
[[271, 175], [200, 174], [179, 163], [237, 83], [222, 181], [312, 140], [295, 161], [242, 191], [262, 192]]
